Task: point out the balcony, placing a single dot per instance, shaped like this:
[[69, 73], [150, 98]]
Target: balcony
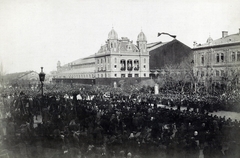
[[130, 68], [123, 68], [136, 68]]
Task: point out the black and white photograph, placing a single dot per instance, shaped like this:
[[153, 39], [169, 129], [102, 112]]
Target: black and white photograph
[[119, 79]]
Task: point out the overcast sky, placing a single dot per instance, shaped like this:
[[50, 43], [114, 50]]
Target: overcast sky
[[35, 33]]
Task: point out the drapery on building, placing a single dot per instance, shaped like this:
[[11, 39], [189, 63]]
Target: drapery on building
[[118, 59], [218, 61]]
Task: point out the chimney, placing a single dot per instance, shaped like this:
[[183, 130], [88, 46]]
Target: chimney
[[224, 34]]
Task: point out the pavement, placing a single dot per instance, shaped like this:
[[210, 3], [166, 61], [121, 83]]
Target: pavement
[[227, 114]]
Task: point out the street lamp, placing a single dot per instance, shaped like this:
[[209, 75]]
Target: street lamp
[[42, 78]]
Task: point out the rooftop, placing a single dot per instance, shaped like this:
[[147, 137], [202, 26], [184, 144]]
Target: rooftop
[[225, 39]]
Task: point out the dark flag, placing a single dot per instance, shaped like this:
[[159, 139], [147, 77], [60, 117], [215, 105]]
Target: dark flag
[[173, 36]]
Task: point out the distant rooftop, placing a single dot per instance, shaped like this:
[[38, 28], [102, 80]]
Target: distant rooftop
[[225, 39]]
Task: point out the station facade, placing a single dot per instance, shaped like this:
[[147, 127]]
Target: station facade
[[118, 59]]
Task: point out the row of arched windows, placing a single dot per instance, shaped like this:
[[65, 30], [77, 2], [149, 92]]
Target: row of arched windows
[[129, 64], [217, 73], [78, 76], [220, 57]]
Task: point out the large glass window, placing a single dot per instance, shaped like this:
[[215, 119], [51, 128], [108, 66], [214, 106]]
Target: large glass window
[[123, 65], [136, 65], [129, 65]]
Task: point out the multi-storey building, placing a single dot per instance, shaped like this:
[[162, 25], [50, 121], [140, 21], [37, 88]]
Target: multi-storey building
[[118, 59], [22, 78], [218, 61]]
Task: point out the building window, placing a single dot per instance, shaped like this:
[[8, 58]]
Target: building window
[[202, 59], [233, 56], [217, 73], [238, 56], [136, 65], [115, 75], [115, 60], [202, 73], [144, 60], [197, 73], [144, 66], [144, 75], [129, 65], [222, 57], [98, 61], [123, 65], [129, 75], [122, 75], [115, 66], [136, 75], [217, 58], [232, 72], [222, 73]]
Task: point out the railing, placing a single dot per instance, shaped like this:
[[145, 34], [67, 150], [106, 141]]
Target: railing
[[123, 68], [130, 68]]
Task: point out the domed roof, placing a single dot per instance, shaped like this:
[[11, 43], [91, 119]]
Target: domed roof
[[141, 37], [112, 34], [209, 40]]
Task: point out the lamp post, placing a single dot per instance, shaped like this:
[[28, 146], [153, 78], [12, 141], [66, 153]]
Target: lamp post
[[42, 78]]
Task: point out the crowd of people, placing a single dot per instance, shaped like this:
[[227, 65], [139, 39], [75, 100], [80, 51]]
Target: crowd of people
[[87, 123]]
